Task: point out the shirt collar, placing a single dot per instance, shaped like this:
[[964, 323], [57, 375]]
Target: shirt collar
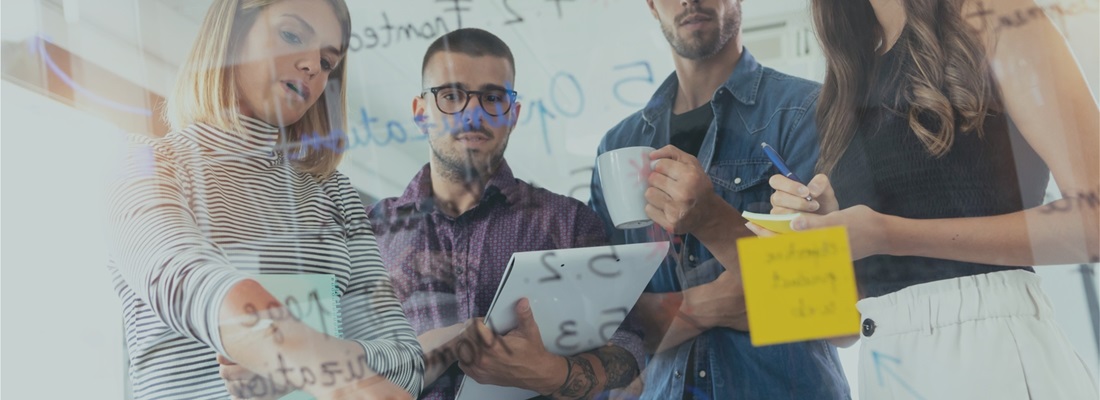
[[419, 191], [257, 139], [743, 84]]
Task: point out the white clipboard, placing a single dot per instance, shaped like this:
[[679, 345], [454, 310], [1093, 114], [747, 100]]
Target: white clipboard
[[578, 296]]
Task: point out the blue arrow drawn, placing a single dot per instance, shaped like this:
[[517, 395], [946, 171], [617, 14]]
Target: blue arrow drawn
[[37, 45], [879, 369]]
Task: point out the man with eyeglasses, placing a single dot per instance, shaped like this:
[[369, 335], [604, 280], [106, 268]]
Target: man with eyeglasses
[[446, 241]]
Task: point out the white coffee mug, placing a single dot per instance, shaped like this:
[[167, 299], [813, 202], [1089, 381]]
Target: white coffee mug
[[624, 175]]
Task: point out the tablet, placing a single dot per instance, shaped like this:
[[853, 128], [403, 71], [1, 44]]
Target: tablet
[[578, 296]]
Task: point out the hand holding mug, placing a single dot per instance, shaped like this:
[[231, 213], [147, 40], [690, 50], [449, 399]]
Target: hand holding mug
[[680, 192]]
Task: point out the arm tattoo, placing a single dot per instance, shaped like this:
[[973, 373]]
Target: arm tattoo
[[619, 365], [581, 379]]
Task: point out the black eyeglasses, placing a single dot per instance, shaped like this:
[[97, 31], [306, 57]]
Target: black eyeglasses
[[452, 100]]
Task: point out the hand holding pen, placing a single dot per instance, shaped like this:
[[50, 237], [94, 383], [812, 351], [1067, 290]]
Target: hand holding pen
[[792, 195], [818, 208]]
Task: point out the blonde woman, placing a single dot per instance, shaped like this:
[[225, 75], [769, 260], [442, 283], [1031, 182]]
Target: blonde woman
[[938, 125], [229, 193]]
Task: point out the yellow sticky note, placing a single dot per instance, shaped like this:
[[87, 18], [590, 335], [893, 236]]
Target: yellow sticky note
[[778, 223], [799, 286]]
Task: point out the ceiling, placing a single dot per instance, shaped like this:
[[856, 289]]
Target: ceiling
[[190, 9]]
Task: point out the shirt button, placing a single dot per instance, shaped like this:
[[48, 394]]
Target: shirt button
[[868, 327], [676, 374], [458, 270], [703, 374], [736, 181], [691, 257]]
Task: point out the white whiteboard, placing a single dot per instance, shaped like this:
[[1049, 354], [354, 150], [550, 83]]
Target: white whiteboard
[[581, 67]]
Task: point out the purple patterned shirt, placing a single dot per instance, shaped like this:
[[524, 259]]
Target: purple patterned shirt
[[446, 270]]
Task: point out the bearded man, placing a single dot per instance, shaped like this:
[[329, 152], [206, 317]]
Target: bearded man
[[447, 240], [707, 121]]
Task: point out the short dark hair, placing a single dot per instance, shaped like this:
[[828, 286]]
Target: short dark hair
[[470, 41]]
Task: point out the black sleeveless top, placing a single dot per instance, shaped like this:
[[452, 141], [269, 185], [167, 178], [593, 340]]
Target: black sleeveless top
[[888, 169]]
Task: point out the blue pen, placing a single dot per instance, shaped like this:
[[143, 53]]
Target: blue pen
[[779, 163]]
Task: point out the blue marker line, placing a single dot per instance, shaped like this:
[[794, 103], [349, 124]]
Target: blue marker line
[[40, 47], [876, 356]]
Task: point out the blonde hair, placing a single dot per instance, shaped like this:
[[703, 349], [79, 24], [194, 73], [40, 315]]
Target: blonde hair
[[206, 89]]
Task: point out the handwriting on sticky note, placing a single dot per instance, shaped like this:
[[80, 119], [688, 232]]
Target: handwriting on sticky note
[[799, 286]]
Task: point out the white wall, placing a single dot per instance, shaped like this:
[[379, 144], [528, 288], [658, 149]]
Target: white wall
[[62, 322]]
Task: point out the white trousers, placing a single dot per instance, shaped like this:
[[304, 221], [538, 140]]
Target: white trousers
[[990, 336]]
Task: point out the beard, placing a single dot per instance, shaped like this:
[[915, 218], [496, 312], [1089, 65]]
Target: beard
[[465, 165], [703, 44]]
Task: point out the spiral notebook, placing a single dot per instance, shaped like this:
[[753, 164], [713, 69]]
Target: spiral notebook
[[313, 299]]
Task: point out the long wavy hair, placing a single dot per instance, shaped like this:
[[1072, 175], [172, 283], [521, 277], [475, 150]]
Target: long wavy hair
[[943, 75], [206, 89]]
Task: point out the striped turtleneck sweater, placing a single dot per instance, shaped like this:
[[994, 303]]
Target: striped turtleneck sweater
[[200, 210]]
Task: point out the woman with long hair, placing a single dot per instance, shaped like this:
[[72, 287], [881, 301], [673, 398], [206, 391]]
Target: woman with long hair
[[940, 124], [232, 192]]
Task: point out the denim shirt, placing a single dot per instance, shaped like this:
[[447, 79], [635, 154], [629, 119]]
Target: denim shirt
[[756, 104]]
